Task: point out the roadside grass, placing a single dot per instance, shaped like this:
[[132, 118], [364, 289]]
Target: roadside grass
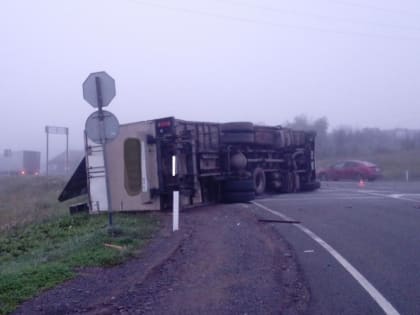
[[47, 245], [393, 164], [27, 199]]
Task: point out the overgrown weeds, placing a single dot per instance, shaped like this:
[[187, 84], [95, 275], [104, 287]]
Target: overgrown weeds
[[41, 245], [27, 199], [40, 256]]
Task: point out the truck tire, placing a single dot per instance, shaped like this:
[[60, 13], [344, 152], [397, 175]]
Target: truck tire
[[311, 186], [297, 182], [287, 137], [237, 137], [298, 138], [238, 196], [239, 185], [323, 177], [237, 126], [288, 183], [264, 137], [259, 180], [279, 140]]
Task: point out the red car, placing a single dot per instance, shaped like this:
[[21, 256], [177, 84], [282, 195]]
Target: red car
[[350, 169]]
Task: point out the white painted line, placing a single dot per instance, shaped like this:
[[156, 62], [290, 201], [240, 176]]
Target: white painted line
[[309, 251], [375, 191], [393, 196], [362, 190], [404, 198], [321, 198], [325, 190], [396, 195], [371, 290], [384, 194]]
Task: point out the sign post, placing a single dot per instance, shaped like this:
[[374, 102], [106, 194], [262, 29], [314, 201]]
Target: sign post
[[57, 131], [101, 126], [175, 200]]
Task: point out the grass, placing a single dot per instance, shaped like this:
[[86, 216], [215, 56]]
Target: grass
[[27, 199], [393, 164], [50, 245]]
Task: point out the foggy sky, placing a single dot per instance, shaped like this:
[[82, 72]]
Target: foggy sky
[[355, 62]]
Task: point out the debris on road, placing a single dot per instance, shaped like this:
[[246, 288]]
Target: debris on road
[[278, 221]]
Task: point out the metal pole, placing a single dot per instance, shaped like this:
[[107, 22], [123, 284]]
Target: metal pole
[[175, 215], [103, 142], [46, 130], [99, 96], [67, 151], [175, 198]]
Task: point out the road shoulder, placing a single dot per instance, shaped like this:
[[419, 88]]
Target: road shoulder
[[221, 261]]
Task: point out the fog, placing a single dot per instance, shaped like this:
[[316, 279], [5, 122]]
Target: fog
[[356, 63]]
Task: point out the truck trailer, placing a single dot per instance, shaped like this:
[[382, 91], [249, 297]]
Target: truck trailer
[[214, 162], [20, 163]]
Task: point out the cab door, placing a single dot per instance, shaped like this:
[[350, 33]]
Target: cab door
[[132, 169]]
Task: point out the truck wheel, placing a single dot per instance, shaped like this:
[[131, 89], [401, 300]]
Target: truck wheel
[[323, 177], [238, 196], [288, 183], [240, 185], [311, 186], [237, 137], [279, 141], [259, 180], [297, 182], [237, 126], [264, 137]]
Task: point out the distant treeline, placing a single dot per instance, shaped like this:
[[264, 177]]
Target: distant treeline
[[350, 142]]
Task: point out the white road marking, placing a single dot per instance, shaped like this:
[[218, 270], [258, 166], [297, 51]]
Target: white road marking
[[371, 290], [308, 251], [394, 196], [375, 191], [299, 198], [326, 190], [385, 194]]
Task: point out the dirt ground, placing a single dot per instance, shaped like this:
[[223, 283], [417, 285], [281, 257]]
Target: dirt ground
[[222, 261]]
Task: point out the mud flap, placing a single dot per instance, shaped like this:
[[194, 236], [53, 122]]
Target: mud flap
[[77, 185], [297, 182]]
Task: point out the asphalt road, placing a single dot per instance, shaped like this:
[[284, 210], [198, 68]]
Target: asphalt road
[[359, 247]]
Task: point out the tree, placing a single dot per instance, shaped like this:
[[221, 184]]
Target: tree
[[319, 125]]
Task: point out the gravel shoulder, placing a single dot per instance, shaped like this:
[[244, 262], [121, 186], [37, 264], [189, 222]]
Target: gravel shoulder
[[222, 261]]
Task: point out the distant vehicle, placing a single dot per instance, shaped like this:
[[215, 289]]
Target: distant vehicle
[[350, 169], [20, 163]]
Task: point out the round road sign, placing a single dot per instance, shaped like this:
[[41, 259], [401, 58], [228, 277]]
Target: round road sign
[[102, 130], [99, 89]]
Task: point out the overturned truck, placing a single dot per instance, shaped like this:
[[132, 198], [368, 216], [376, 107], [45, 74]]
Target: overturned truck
[[215, 162]]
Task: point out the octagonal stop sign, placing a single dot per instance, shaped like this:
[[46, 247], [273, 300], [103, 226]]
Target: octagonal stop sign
[[99, 89]]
